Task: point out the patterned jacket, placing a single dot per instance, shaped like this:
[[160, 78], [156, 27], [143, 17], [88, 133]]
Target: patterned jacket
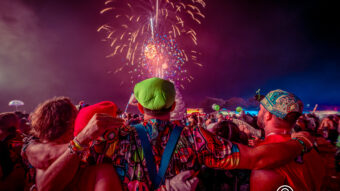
[[195, 147]]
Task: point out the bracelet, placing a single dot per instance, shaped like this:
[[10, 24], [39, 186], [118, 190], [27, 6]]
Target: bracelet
[[74, 148], [301, 143], [305, 148], [78, 145]]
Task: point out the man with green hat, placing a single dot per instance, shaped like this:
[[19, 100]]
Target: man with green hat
[[151, 155], [193, 147], [155, 96]]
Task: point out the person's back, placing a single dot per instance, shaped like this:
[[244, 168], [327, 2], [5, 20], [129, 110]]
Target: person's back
[[195, 146], [307, 175]]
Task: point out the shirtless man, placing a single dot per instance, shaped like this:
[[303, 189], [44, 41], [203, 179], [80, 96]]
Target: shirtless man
[[52, 122], [278, 113]]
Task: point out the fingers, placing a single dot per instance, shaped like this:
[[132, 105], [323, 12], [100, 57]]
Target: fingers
[[193, 183], [105, 117], [306, 138], [184, 175], [301, 133], [110, 122], [304, 135], [100, 115], [99, 123], [167, 184], [106, 121]]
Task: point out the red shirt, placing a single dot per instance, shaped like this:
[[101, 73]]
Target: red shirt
[[306, 176]]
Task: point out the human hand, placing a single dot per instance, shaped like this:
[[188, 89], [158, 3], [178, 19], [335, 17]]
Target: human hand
[[253, 141], [98, 124], [184, 181], [307, 139]]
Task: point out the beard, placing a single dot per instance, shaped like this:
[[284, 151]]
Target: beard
[[260, 121]]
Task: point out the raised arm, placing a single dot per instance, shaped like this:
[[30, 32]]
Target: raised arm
[[61, 172]]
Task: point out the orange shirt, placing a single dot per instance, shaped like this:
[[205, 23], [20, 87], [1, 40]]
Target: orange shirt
[[306, 176]]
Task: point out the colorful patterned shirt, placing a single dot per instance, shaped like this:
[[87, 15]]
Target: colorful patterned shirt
[[195, 147]]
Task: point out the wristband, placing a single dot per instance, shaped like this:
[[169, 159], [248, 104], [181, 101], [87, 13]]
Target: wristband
[[72, 148], [305, 148], [78, 145], [75, 148]]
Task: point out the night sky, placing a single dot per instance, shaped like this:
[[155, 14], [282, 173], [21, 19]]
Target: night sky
[[51, 48]]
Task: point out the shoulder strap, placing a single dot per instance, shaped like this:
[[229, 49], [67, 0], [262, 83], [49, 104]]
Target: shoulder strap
[[169, 149], [147, 150]]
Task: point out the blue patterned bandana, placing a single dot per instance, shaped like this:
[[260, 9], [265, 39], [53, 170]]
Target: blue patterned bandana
[[280, 103]]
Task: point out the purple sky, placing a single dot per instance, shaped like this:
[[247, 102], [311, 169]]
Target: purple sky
[[51, 48]]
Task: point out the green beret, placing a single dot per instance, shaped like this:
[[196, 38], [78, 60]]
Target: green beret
[[155, 93]]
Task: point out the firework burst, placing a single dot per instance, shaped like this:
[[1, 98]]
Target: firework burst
[[156, 37]]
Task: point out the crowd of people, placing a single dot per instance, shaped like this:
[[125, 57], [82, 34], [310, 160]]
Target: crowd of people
[[62, 146]]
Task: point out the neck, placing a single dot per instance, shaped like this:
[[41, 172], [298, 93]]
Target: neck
[[163, 117], [282, 131], [277, 127]]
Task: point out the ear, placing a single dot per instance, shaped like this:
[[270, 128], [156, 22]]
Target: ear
[[173, 107], [140, 108], [268, 116]]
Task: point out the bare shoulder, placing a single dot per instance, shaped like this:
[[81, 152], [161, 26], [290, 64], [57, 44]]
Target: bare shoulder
[[41, 155]]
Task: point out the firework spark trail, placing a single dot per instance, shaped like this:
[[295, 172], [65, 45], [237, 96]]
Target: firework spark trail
[[166, 25], [152, 28]]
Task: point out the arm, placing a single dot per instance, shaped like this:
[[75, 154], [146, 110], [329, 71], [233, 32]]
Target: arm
[[54, 164], [216, 152], [276, 154], [60, 173], [268, 156], [213, 151]]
